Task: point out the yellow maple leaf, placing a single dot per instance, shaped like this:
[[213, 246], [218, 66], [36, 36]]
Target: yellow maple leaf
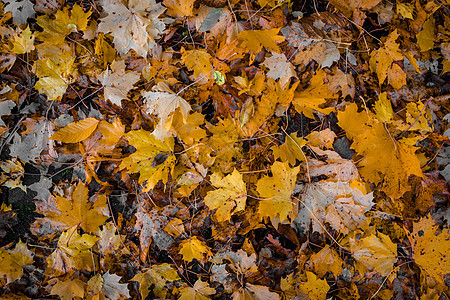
[[69, 289], [76, 132], [257, 111], [291, 150], [64, 22], [153, 159], [315, 288], [396, 76], [277, 191], [179, 8], [327, 260], [55, 73], [431, 248], [316, 94], [175, 227], [157, 275], [224, 136], [104, 50], [418, 118], [78, 211], [194, 248], [188, 130], [381, 60], [251, 87], [12, 261], [72, 253], [370, 139], [230, 196], [23, 43], [197, 60], [255, 40], [374, 253], [200, 291]]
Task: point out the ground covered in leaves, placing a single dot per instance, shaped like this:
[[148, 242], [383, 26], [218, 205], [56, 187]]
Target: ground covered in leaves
[[213, 149]]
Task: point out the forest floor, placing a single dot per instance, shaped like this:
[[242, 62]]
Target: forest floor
[[214, 149]]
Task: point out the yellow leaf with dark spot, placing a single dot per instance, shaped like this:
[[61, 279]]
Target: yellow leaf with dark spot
[[23, 43], [431, 248]]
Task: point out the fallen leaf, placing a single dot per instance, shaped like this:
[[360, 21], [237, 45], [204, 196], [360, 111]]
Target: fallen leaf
[[78, 211], [255, 40], [276, 192], [425, 38], [76, 132], [199, 61], [327, 260], [13, 261], [69, 289], [117, 82], [280, 68], [135, 26], [370, 139], [230, 196], [194, 248], [23, 43], [157, 275], [375, 253], [200, 291], [315, 288], [430, 248]]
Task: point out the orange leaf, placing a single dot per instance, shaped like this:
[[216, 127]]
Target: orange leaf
[[76, 132]]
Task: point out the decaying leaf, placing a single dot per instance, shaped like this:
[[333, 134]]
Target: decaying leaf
[[117, 82], [135, 26], [430, 248]]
